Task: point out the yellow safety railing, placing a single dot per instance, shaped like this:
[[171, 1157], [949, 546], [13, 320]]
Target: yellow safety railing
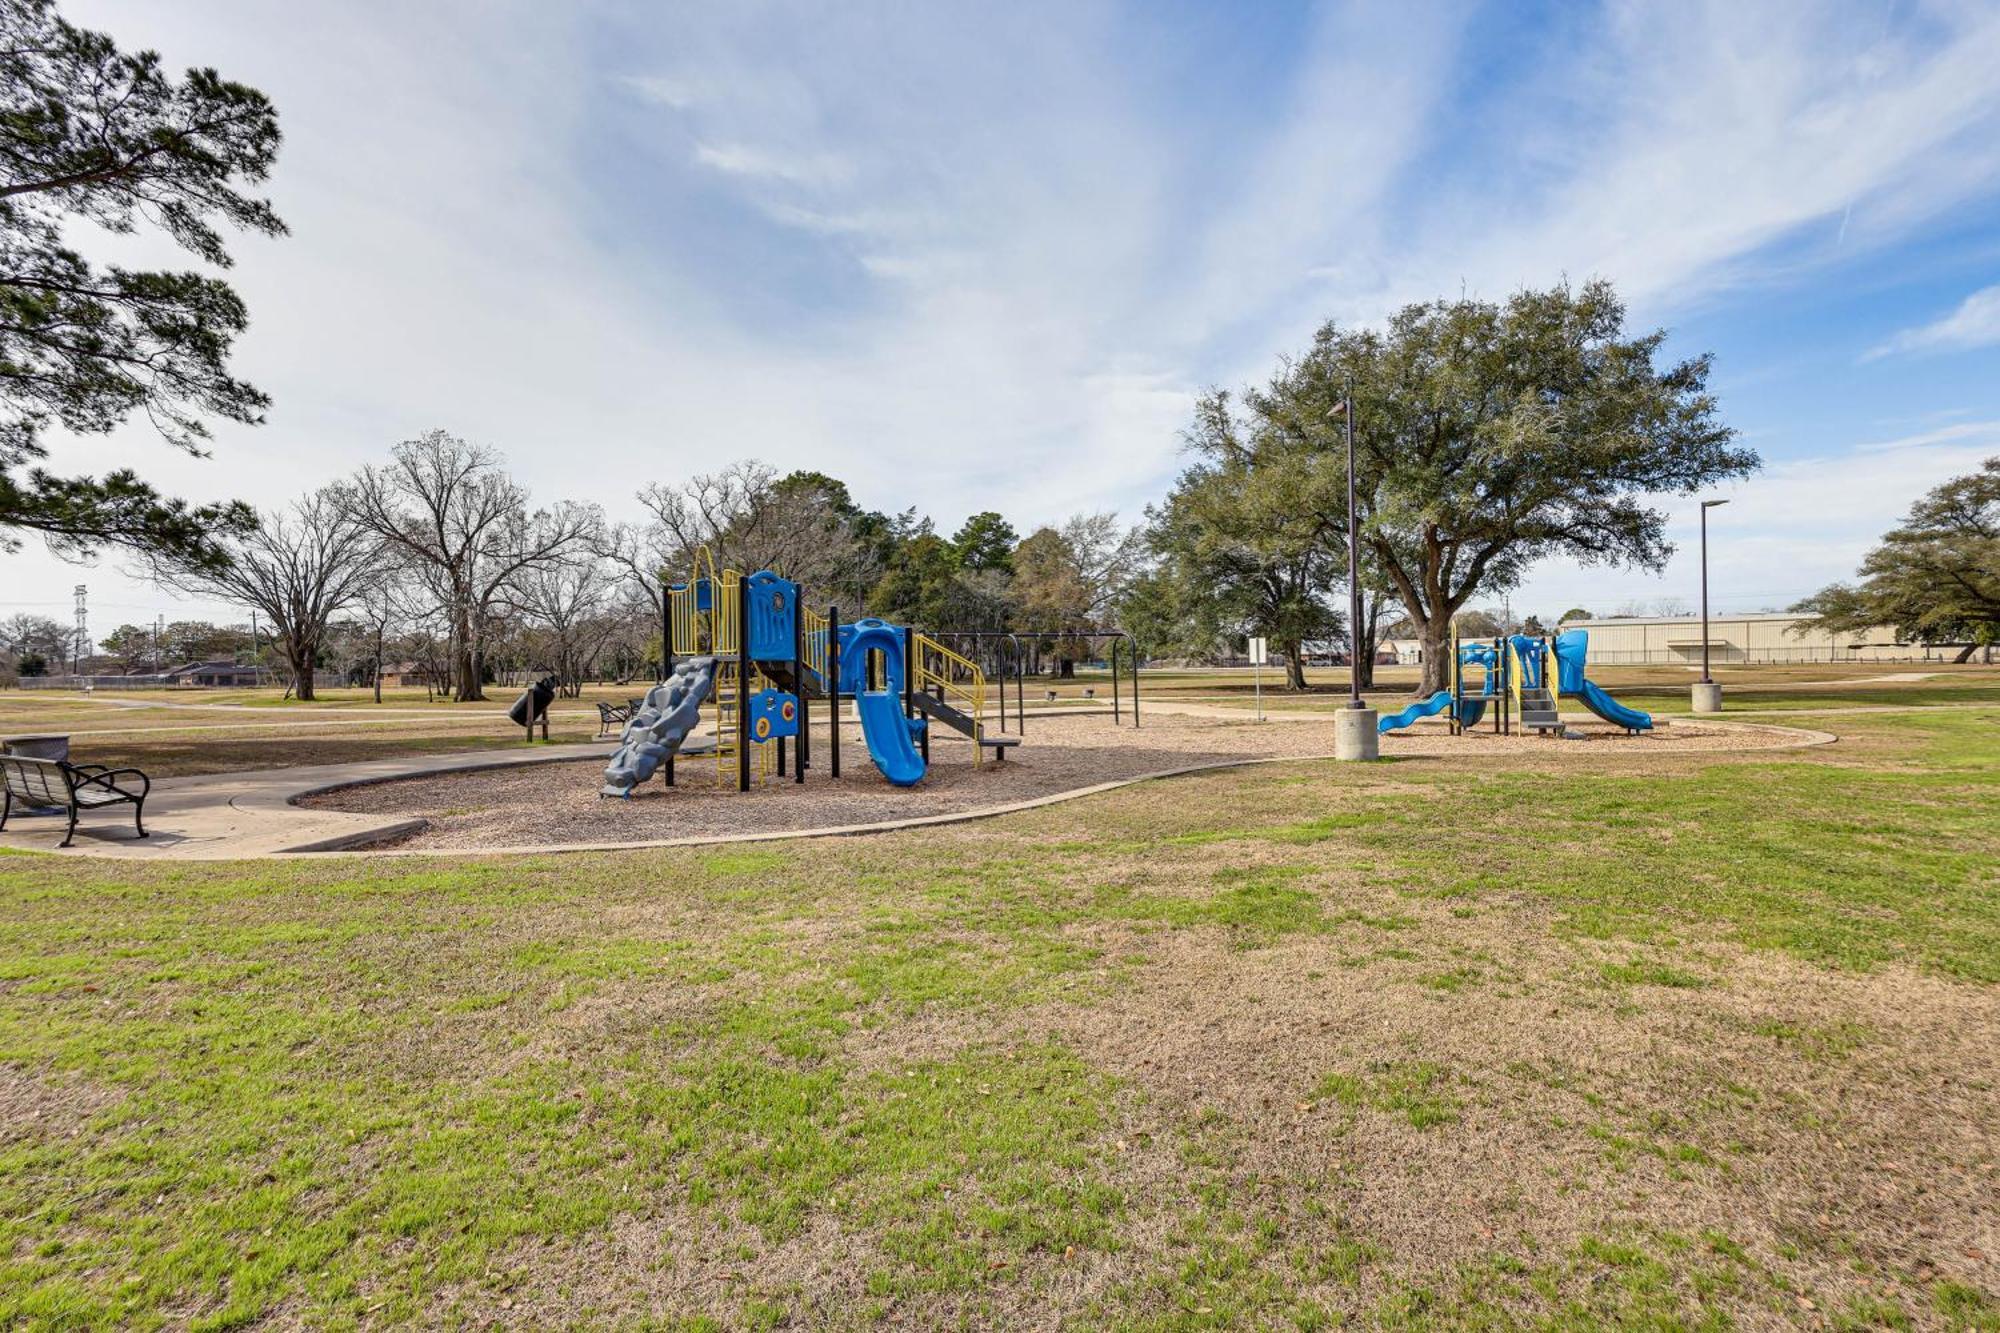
[[1513, 660], [699, 633], [724, 629], [957, 677], [813, 633]]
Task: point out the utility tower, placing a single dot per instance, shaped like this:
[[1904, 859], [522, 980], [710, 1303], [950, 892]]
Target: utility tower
[[82, 649]]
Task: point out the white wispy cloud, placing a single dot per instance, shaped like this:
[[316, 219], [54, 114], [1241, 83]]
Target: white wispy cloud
[[1796, 526], [985, 258], [1975, 323], [807, 169]]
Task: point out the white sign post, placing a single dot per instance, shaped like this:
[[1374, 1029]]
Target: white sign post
[[1260, 653]]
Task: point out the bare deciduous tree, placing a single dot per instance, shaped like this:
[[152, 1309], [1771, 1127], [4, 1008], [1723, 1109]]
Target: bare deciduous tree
[[804, 525], [569, 603], [299, 567], [465, 528]]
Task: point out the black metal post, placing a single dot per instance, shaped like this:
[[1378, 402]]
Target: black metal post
[[910, 689], [799, 684], [1020, 689], [1705, 678], [666, 632], [667, 653], [1353, 564], [833, 690], [1117, 717], [1134, 647], [742, 685]]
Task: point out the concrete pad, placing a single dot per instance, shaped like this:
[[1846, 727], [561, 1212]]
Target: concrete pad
[[232, 815]]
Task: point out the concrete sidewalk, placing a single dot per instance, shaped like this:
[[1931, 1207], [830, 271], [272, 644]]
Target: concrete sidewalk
[[228, 816]]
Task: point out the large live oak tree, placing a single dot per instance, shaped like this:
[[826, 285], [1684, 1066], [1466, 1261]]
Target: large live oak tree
[[1490, 436], [93, 135], [1257, 526], [1934, 579]]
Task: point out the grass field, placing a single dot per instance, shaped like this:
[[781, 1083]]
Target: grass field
[[1414, 1046]]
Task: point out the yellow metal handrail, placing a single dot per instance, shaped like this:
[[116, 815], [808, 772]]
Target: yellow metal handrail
[[724, 630], [958, 677], [699, 633], [813, 632], [1513, 679]]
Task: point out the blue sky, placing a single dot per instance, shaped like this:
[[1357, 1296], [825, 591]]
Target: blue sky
[[984, 257]]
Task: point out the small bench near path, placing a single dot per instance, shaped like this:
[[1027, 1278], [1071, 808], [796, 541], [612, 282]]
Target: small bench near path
[[73, 788]]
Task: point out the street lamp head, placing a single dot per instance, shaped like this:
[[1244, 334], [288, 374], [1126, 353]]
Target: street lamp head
[[1710, 504]]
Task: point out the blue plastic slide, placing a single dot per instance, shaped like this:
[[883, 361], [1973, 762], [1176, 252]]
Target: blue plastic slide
[[1608, 708], [890, 735], [1437, 703], [1572, 647]]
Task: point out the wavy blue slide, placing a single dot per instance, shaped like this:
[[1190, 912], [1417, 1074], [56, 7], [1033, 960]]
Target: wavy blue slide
[[890, 735], [1437, 703]]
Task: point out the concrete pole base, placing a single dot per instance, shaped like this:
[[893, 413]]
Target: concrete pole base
[[1354, 735], [1707, 697]]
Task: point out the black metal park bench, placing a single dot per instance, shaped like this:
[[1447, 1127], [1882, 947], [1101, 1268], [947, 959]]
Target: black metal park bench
[[72, 787]]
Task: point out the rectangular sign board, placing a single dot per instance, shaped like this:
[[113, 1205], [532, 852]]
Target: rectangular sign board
[[1259, 652]]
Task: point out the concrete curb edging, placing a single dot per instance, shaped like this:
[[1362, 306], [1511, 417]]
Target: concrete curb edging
[[1807, 739], [837, 830]]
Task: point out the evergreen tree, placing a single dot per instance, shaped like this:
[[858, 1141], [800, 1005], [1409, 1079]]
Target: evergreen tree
[[92, 134]]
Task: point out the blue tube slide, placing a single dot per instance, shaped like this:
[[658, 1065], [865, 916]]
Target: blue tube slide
[[890, 735], [1572, 649]]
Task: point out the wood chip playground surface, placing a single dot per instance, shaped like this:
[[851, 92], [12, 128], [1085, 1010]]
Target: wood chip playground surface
[[558, 804]]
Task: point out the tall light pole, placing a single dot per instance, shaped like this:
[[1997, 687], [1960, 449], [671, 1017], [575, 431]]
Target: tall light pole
[[1707, 694], [1354, 735], [1345, 409]]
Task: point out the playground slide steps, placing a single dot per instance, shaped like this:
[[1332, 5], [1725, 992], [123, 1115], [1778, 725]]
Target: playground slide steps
[[1538, 710], [959, 721]]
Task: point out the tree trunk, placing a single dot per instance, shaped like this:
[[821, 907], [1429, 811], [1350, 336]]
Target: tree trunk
[[1435, 636], [1364, 651], [1066, 669], [299, 656], [1295, 666], [468, 688], [1965, 655]]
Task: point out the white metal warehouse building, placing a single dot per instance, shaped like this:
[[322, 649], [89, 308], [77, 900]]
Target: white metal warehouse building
[[1761, 637]]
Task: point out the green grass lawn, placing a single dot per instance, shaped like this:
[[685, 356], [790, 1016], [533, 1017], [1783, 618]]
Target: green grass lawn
[[1412, 1046]]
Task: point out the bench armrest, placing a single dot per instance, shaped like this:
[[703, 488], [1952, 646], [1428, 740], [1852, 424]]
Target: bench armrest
[[103, 777]]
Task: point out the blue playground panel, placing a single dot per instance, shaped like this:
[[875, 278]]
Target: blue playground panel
[[774, 614], [773, 714]]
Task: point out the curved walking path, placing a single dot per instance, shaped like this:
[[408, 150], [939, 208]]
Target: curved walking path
[[233, 816]]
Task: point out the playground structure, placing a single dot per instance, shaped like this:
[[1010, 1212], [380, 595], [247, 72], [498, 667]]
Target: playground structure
[[748, 651], [1523, 676]]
